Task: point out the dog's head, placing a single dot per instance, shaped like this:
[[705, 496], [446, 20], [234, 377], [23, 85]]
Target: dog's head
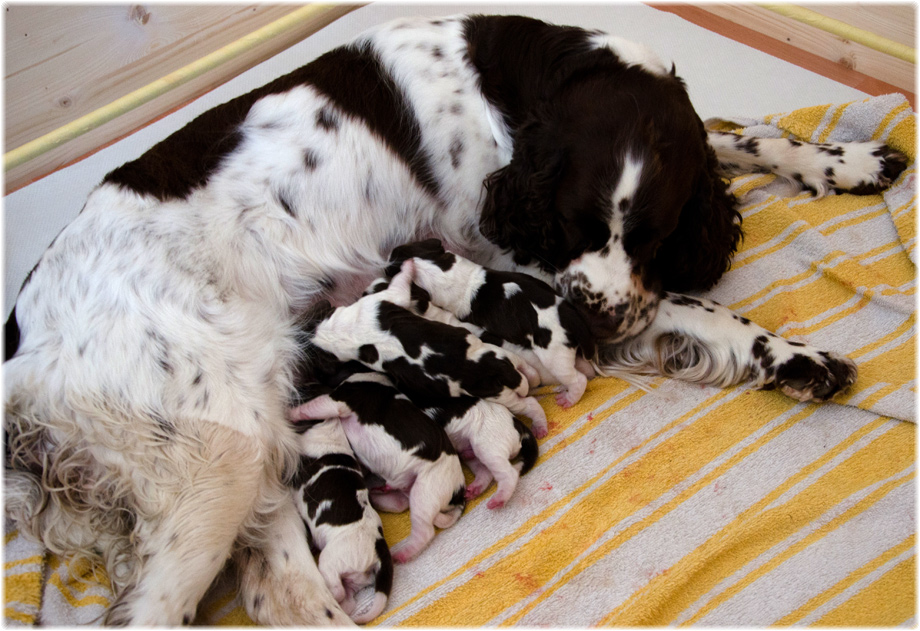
[[611, 189]]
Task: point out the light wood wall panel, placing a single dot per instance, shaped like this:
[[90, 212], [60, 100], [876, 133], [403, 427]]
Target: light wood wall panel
[[895, 22], [62, 62]]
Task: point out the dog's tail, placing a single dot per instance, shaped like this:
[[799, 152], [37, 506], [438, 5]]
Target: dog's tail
[[529, 448]]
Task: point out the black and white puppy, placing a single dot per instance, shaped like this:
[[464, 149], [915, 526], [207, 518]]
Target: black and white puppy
[[330, 492], [424, 358], [488, 438], [395, 440], [513, 306]]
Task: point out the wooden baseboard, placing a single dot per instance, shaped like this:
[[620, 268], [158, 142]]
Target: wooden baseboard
[[713, 18]]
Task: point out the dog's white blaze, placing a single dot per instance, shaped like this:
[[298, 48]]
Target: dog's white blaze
[[626, 188], [511, 289]]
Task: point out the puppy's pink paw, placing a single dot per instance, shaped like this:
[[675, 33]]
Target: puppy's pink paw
[[494, 503], [473, 491], [564, 401], [539, 431], [402, 556]]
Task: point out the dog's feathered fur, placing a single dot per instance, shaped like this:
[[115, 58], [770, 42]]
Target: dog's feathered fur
[[145, 401]]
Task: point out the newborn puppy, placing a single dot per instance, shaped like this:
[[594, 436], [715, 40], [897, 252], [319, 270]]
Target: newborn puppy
[[488, 438], [423, 357], [395, 440], [515, 307], [332, 497]]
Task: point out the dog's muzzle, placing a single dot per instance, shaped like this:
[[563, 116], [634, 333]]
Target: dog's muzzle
[[612, 315]]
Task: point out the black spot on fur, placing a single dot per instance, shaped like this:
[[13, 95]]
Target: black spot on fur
[[761, 352], [749, 145], [368, 354], [285, 203], [326, 119], [310, 159], [455, 151]]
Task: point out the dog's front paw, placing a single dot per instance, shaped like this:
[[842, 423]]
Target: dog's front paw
[[808, 377]]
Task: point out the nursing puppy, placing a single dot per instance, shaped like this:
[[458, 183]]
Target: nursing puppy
[[395, 440], [331, 495], [512, 306], [488, 438], [423, 357]]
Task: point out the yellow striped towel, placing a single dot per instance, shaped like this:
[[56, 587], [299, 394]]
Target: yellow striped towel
[[693, 505]]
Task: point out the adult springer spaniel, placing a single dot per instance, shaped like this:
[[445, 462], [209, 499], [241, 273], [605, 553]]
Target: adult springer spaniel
[[154, 341]]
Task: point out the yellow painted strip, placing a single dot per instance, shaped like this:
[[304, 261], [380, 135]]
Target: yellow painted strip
[[629, 490], [889, 601], [846, 583], [844, 30], [10, 536], [531, 523], [135, 99], [659, 513], [756, 529], [11, 614], [801, 545], [38, 558]]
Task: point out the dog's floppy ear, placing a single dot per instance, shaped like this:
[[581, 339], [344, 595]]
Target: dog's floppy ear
[[518, 212], [699, 251]]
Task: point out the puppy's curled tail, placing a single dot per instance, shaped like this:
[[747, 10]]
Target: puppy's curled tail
[[529, 448]]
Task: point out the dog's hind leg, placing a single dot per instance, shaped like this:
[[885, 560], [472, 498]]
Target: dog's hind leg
[[188, 518], [280, 582]]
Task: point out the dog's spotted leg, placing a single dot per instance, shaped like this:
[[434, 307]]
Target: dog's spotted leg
[[698, 340], [279, 580], [187, 524], [859, 167]]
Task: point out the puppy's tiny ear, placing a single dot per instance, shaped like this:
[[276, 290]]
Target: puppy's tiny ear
[[428, 249]]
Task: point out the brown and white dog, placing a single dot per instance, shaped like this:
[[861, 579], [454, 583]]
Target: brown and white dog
[[152, 347]]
